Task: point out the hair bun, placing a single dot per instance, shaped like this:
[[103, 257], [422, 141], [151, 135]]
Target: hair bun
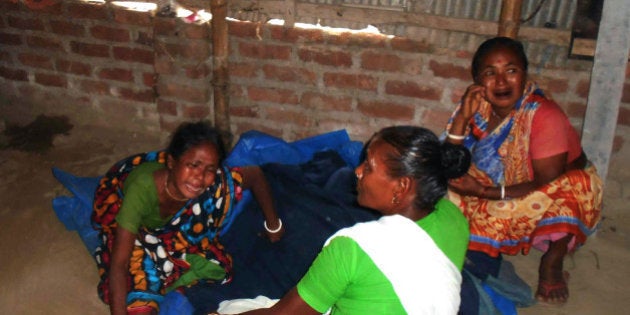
[[455, 160]]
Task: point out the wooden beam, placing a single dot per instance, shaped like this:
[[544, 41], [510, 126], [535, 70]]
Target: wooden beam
[[510, 19], [220, 72]]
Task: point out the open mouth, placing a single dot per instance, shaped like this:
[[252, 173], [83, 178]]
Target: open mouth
[[502, 94]]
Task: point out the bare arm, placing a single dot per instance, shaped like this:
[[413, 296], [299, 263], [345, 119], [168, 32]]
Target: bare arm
[[471, 101], [121, 253], [545, 170], [254, 179]]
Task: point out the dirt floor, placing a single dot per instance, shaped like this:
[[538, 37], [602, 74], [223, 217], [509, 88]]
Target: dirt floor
[[47, 270]]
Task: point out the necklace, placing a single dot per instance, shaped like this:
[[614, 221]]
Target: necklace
[[169, 193]]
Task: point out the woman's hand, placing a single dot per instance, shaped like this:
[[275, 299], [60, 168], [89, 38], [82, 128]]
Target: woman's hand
[[274, 232], [254, 179], [472, 100], [466, 186]]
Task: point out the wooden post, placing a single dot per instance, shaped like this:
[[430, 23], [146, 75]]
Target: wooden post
[[220, 72], [510, 19]]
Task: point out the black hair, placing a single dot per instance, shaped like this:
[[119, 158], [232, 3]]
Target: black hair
[[423, 157], [190, 134], [493, 44]]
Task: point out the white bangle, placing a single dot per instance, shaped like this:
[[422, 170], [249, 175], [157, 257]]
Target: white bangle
[[502, 191], [455, 137], [273, 231]]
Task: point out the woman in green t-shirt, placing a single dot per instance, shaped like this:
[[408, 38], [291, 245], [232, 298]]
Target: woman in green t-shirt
[[410, 260], [160, 215]]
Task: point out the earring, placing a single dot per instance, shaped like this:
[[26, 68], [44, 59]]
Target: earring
[[395, 199]]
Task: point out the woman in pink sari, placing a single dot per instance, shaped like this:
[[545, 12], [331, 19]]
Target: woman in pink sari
[[530, 183]]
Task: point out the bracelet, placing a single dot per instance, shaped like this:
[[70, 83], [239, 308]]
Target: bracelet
[[273, 231], [455, 137], [502, 191]]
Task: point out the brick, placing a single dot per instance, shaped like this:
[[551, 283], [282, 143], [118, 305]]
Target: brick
[[623, 117], [37, 61], [408, 45], [196, 31], [73, 67], [244, 111], [13, 74], [326, 57], [110, 33], [164, 65], [10, 39], [618, 142], [194, 50], [343, 80], [145, 39], [435, 119], [295, 35], [576, 110], [117, 74], [67, 28], [280, 96], [380, 61], [55, 8], [183, 92], [244, 69], [286, 116], [8, 6], [325, 102], [91, 50], [242, 127], [195, 111], [358, 39], [166, 107], [165, 26], [91, 87], [146, 95], [6, 57], [264, 51], [149, 79], [383, 109], [199, 71], [48, 43], [554, 85], [132, 17], [412, 89], [625, 94], [290, 74], [51, 80], [243, 29], [134, 55], [32, 24], [582, 88], [449, 70], [91, 11]]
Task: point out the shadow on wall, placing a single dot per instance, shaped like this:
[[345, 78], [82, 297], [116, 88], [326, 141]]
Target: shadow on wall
[[35, 137]]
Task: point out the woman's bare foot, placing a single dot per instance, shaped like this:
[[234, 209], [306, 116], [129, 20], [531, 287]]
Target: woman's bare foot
[[552, 280]]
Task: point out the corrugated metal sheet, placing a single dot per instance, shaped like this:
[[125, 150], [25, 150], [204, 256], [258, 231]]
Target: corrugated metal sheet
[[552, 13]]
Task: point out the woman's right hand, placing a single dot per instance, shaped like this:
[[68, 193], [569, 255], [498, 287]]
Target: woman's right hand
[[472, 100]]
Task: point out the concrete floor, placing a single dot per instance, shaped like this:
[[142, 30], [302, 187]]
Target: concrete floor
[[47, 270]]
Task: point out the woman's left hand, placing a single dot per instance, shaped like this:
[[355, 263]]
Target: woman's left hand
[[466, 185], [274, 234]]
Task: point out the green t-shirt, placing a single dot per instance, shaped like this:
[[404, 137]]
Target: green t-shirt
[[141, 206], [345, 278]]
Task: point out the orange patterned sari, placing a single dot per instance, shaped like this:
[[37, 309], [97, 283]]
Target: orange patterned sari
[[569, 204]]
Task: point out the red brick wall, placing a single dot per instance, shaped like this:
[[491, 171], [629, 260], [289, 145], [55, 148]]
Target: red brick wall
[[132, 69]]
